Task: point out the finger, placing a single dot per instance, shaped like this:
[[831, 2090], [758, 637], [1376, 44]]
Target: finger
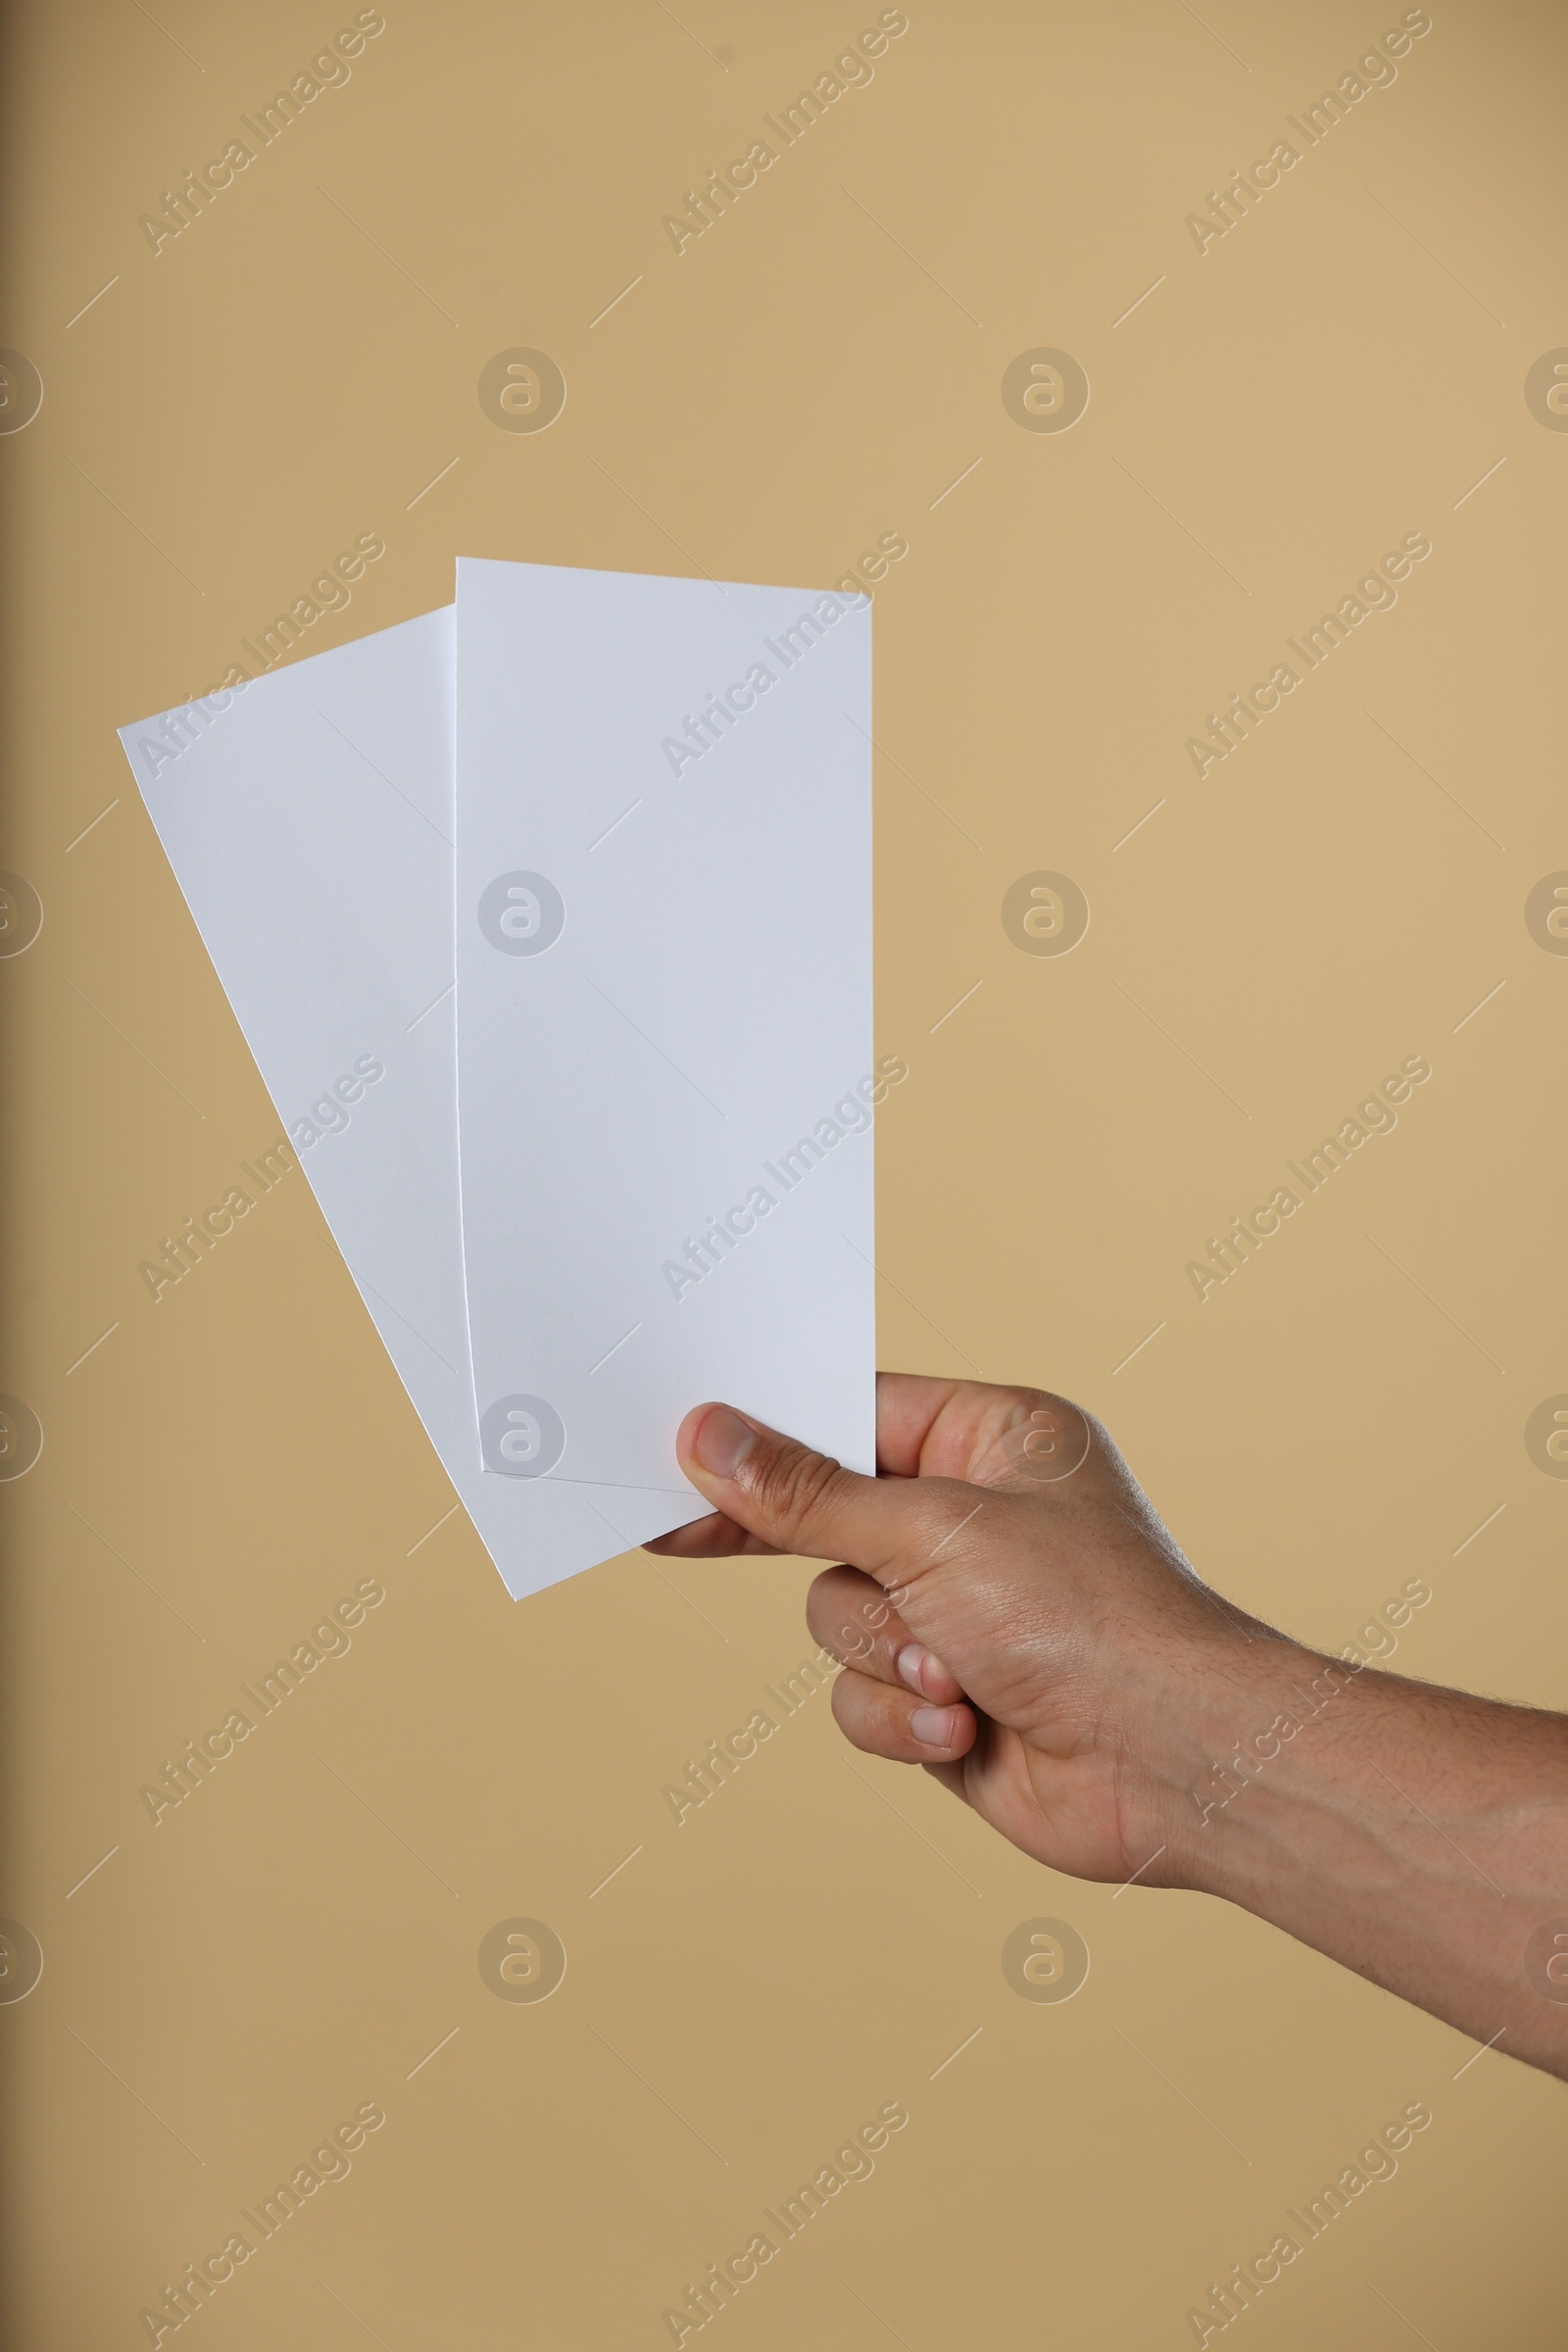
[[714, 1538], [850, 1615], [907, 1407], [949, 1427], [883, 1722], [803, 1502]]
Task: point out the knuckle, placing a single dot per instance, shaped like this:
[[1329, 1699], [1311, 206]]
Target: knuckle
[[946, 1519], [1049, 1400], [790, 1485], [850, 1614], [821, 1602], [851, 1644], [832, 1615], [1032, 1437], [859, 1709]]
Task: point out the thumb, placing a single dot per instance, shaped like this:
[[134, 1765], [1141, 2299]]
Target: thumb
[[805, 1502]]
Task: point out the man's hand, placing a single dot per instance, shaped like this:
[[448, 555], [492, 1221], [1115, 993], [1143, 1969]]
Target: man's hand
[[1005, 1557], [1014, 1617]]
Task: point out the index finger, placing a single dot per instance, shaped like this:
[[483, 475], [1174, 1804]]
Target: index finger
[[908, 1406], [943, 1428]]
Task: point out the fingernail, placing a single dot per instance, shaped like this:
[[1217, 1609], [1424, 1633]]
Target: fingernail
[[933, 1727], [723, 1443], [910, 1659]]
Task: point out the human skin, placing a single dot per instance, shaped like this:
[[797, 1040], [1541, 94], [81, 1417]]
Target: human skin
[[1012, 1615]]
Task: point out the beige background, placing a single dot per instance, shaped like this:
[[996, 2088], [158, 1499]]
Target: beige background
[[1340, 369]]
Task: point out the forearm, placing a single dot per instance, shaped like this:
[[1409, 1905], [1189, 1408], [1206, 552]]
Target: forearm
[[1419, 1835], [1044, 1649]]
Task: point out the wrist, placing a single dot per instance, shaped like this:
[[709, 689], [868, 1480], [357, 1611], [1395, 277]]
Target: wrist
[[1417, 1835], [1244, 1709]]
